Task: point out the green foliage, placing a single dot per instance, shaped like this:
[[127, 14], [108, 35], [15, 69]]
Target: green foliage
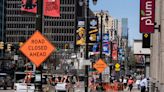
[[132, 59]]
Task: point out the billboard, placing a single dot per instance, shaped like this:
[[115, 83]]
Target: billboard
[[147, 16]]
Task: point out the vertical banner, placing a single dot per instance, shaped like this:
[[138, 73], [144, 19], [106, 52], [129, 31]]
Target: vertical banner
[[93, 30], [145, 40], [29, 6], [105, 48], [95, 47], [80, 32], [106, 37], [105, 43], [147, 16], [51, 7], [120, 54], [114, 51]]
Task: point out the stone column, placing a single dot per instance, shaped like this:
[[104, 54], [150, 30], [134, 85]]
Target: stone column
[[155, 50], [155, 45], [161, 65]]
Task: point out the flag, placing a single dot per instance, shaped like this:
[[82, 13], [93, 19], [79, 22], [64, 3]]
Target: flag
[[50, 7]]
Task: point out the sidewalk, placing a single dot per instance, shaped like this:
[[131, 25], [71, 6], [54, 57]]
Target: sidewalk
[[82, 90], [134, 90]]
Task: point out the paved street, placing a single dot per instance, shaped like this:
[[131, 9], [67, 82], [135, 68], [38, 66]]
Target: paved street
[[134, 90], [76, 90], [6, 90]]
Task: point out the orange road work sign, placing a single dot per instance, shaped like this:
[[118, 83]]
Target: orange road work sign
[[37, 48], [100, 65]]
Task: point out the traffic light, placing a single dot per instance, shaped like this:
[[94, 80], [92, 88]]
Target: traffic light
[[1, 45], [146, 41], [20, 44], [9, 47], [66, 46]]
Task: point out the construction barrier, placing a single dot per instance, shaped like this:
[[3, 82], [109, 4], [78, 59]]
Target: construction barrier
[[114, 87]]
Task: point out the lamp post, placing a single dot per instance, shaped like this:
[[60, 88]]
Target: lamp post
[[86, 6], [101, 36], [111, 47]]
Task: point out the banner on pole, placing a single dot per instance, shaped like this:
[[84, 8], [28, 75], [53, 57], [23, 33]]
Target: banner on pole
[[93, 30], [114, 51], [80, 32], [50, 7], [147, 16]]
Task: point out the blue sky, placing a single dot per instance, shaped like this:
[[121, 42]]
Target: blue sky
[[122, 9]]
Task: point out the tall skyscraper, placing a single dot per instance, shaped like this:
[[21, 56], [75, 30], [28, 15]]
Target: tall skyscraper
[[124, 22], [2, 23]]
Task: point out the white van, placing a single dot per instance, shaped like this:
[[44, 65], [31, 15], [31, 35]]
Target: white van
[[20, 85]]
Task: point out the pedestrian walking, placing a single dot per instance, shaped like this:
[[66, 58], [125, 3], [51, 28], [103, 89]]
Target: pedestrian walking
[[125, 82], [130, 83], [144, 84], [138, 83], [99, 87]]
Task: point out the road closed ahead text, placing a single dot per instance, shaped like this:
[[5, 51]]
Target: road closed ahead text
[[37, 48]]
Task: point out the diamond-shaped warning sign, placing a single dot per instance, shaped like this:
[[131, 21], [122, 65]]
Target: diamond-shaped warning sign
[[37, 48], [146, 35], [100, 65], [117, 65]]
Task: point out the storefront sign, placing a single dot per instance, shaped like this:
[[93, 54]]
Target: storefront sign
[[147, 16]]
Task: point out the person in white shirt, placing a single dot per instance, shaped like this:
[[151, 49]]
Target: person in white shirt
[[125, 81], [138, 83], [144, 84]]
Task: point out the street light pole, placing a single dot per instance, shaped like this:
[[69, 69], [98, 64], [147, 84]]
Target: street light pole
[[101, 41], [39, 23], [111, 47], [87, 38], [86, 26], [86, 7], [101, 34]]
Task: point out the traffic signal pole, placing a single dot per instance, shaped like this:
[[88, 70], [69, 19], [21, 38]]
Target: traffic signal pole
[[39, 20]]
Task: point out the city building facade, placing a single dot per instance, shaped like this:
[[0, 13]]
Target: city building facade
[[20, 25], [17, 26]]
